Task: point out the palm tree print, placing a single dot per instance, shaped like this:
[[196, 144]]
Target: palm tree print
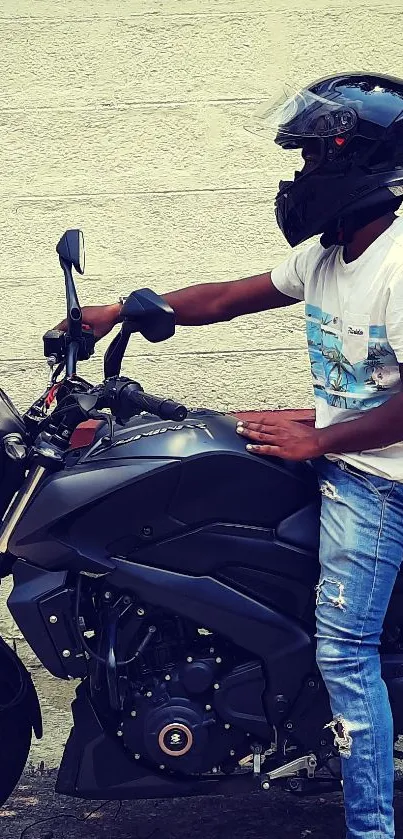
[[339, 364], [336, 400], [375, 355]]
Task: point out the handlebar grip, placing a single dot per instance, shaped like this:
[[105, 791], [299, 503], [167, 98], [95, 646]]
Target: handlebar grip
[[167, 409]]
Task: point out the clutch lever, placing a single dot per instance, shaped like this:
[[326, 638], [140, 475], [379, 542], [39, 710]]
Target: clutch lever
[[116, 350]]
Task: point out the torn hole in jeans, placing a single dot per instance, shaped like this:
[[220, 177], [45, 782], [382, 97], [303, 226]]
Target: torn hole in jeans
[[343, 740], [335, 598], [329, 490]]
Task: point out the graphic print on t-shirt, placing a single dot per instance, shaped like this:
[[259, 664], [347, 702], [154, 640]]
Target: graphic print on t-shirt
[[353, 366]]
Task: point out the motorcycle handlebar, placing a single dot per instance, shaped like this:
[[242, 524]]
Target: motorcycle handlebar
[[167, 409]]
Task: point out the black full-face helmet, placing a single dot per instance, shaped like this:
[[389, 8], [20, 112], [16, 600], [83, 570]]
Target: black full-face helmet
[[355, 122]]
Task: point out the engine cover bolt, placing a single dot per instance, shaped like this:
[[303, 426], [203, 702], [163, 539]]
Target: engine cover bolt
[[294, 783], [66, 653], [107, 595], [137, 757], [232, 753], [147, 530], [216, 686], [208, 707], [189, 659], [311, 683], [227, 725], [140, 612], [266, 785], [218, 660], [289, 725], [211, 650], [214, 770], [133, 713], [127, 600], [162, 766], [149, 694], [167, 678], [53, 619], [119, 733], [323, 742]]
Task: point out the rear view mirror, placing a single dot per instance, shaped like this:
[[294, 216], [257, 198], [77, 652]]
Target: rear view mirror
[[71, 249], [148, 313]]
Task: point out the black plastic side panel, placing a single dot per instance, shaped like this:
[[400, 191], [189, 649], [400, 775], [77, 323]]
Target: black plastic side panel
[[230, 487], [288, 596], [101, 498], [281, 643], [214, 548], [301, 529], [35, 597]]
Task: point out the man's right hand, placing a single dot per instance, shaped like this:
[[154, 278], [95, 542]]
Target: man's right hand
[[101, 319]]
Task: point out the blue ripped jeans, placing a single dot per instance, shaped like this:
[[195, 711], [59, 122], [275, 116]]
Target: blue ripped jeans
[[361, 549]]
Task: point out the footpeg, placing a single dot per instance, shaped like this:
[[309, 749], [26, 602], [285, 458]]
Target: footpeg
[[308, 763]]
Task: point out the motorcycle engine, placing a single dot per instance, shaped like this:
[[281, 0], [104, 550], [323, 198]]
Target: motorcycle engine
[[200, 714]]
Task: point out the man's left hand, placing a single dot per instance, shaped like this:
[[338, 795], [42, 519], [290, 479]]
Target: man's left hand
[[282, 438]]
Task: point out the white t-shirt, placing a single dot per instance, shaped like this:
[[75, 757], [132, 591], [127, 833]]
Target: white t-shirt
[[354, 325]]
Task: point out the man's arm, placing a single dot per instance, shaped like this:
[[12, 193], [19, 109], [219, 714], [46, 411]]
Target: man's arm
[[217, 302], [375, 429], [201, 304]]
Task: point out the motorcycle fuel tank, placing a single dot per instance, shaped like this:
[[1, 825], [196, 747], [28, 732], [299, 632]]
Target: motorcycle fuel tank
[[155, 481]]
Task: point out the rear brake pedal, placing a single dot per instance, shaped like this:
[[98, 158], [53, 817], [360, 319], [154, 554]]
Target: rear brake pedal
[[308, 763]]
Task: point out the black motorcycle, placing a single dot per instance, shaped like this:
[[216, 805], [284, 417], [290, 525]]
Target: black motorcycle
[[169, 571]]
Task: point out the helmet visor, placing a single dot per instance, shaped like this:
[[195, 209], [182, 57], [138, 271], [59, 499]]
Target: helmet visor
[[296, 116]]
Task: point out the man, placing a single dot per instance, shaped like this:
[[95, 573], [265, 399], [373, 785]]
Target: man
[[350, 131]]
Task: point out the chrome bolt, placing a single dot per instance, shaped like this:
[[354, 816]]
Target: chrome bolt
[[66, 653], [127, 600], [266, 785], [227, 725], [119, 733], [167, 678], [214, 770], [189, 659], [208, 707], [140, 612], [218, 660], [53, 619], [107, 595], [137, 757], [133, 713], [289, 725], [149, 694], [211, 650], [216, 686], [232, 753], [162, 766], [311, 683]]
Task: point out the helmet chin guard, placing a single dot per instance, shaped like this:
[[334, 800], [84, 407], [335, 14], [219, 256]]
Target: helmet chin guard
[[342, 230]]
